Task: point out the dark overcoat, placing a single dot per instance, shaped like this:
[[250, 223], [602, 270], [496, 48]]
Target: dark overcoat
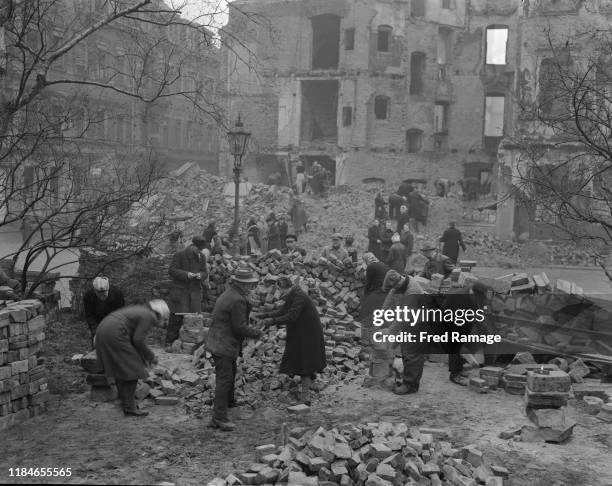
[[186, 294], [373, 237], [121, 342], [229, 327], [96, 309], [451, 241], [305, 346], [397, 258]]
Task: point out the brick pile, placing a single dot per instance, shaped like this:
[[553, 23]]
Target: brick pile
[[372, 454], [23, 378]]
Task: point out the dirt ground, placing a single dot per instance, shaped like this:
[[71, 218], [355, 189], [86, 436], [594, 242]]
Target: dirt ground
[[101, 446]]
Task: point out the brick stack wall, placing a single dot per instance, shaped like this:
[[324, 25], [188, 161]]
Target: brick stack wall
[[23, 378]]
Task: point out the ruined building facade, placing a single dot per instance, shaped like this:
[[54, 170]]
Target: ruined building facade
[[396, 90]]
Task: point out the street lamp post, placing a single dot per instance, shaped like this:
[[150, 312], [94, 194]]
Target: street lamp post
[[238, 140]]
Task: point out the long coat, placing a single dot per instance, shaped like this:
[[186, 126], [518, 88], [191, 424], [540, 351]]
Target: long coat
[[305, 346], [451, 241], [230, 327], [373, 237], [186, 294], [397, 258], [274, 236], [298, 216], [121, 342]]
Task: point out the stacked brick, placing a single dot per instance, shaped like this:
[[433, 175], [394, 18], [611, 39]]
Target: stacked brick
[[373, 454], [23, 379]]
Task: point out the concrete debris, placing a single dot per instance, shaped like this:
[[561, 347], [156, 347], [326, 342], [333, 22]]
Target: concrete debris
[[373, 454]]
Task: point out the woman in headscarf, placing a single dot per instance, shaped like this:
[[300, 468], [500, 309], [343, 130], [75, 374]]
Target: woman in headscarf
[[305, 345], [121, 346]]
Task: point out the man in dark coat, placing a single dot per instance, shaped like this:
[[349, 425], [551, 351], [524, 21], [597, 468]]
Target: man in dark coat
[[436, 262], [395, 202], [274, 235], [210, 232], [283, 229], [385, 246], [402, 219], [122, 349], [229, 328], [396, 260], [189, 273], [100, 301], [417, 210], [305, 345], [405, 188], [373, 295], [292, 247], [374, 238], [380, 210], [451, 241], [407, 239]]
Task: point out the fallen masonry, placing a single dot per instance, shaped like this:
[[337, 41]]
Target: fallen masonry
[[372, 454]]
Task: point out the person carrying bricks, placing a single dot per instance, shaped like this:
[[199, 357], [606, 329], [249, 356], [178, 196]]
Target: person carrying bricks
[[304, 353], [229, 328]]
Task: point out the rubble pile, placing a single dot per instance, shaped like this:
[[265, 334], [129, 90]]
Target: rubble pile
[[372, 454], [23, 377]]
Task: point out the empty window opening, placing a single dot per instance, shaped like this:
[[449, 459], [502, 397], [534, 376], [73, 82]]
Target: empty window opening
[[497, 39], [448, 4], [444, 44], [384, 38], [319, 117], [347, 116], [381, 107], [494, 116], [414, 140], [325, 41], [441, 118], [551, 91], [417, 73], [417, 8], [349, 39]]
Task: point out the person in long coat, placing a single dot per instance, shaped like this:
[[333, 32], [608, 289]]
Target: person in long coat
[[397, 255], [121, 347], [451, 240], [374, 238], [100, 301], [229, 328], [274, 236], [253, 244], [189, 273], [298, 217], [373, 295], [304, 354]]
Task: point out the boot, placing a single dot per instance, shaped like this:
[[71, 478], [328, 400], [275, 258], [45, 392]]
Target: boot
[[305, 392], [405, 389], [224, 425], [129, 400]]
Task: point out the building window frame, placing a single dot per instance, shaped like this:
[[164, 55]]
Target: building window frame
[[349, 39], [347, 116], [490, 60], [383, 38], [382, 107]]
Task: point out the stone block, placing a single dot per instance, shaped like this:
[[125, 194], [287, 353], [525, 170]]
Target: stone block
[[545, 399], [166, 401], [437, 434], [300, 409], [168, 387], [301, 478], [5, 372], [472, 455], [36, 324], [380, 451], [494, 481], [39, 398], [593, 404], [578, 371], [19, 367], [605, 413], [91, 364], [376, 480], [553, 381], [18, 314]]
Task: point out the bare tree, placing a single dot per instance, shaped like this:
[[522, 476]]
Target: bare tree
[[62, 92], [563, 172]]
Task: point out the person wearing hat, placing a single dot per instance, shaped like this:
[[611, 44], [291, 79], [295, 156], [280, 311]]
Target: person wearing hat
[[189, 273], [100, 301], [229, 328], [396, 260], [451, 240], [403, 291], [304, 353], [334, 252], [291, 246], [122, 349], [436, 262]]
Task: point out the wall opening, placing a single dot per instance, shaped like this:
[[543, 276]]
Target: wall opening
[[414, 140], [444, 45], [327, 162], [383, 43], [496, 42], [319, 117], [381, 107], [325, 41], [494, 117], [417, 73], [417, 8], [349, 39], [551, 91], [441, 118], [347, 116]]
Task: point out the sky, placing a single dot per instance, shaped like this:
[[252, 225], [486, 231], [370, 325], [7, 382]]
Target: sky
[[192, 9]]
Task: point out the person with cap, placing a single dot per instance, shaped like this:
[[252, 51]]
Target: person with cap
[[402, 218], [404, 291], [274, 235], [100, 301], [291, 246], [189, 273], [436, 261], [334, 252], [396, 260], [304, 353], [122, 349], [451, 240], [229, 328]]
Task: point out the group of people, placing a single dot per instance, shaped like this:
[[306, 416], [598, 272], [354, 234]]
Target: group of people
[[314, 181], [407, 204]]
